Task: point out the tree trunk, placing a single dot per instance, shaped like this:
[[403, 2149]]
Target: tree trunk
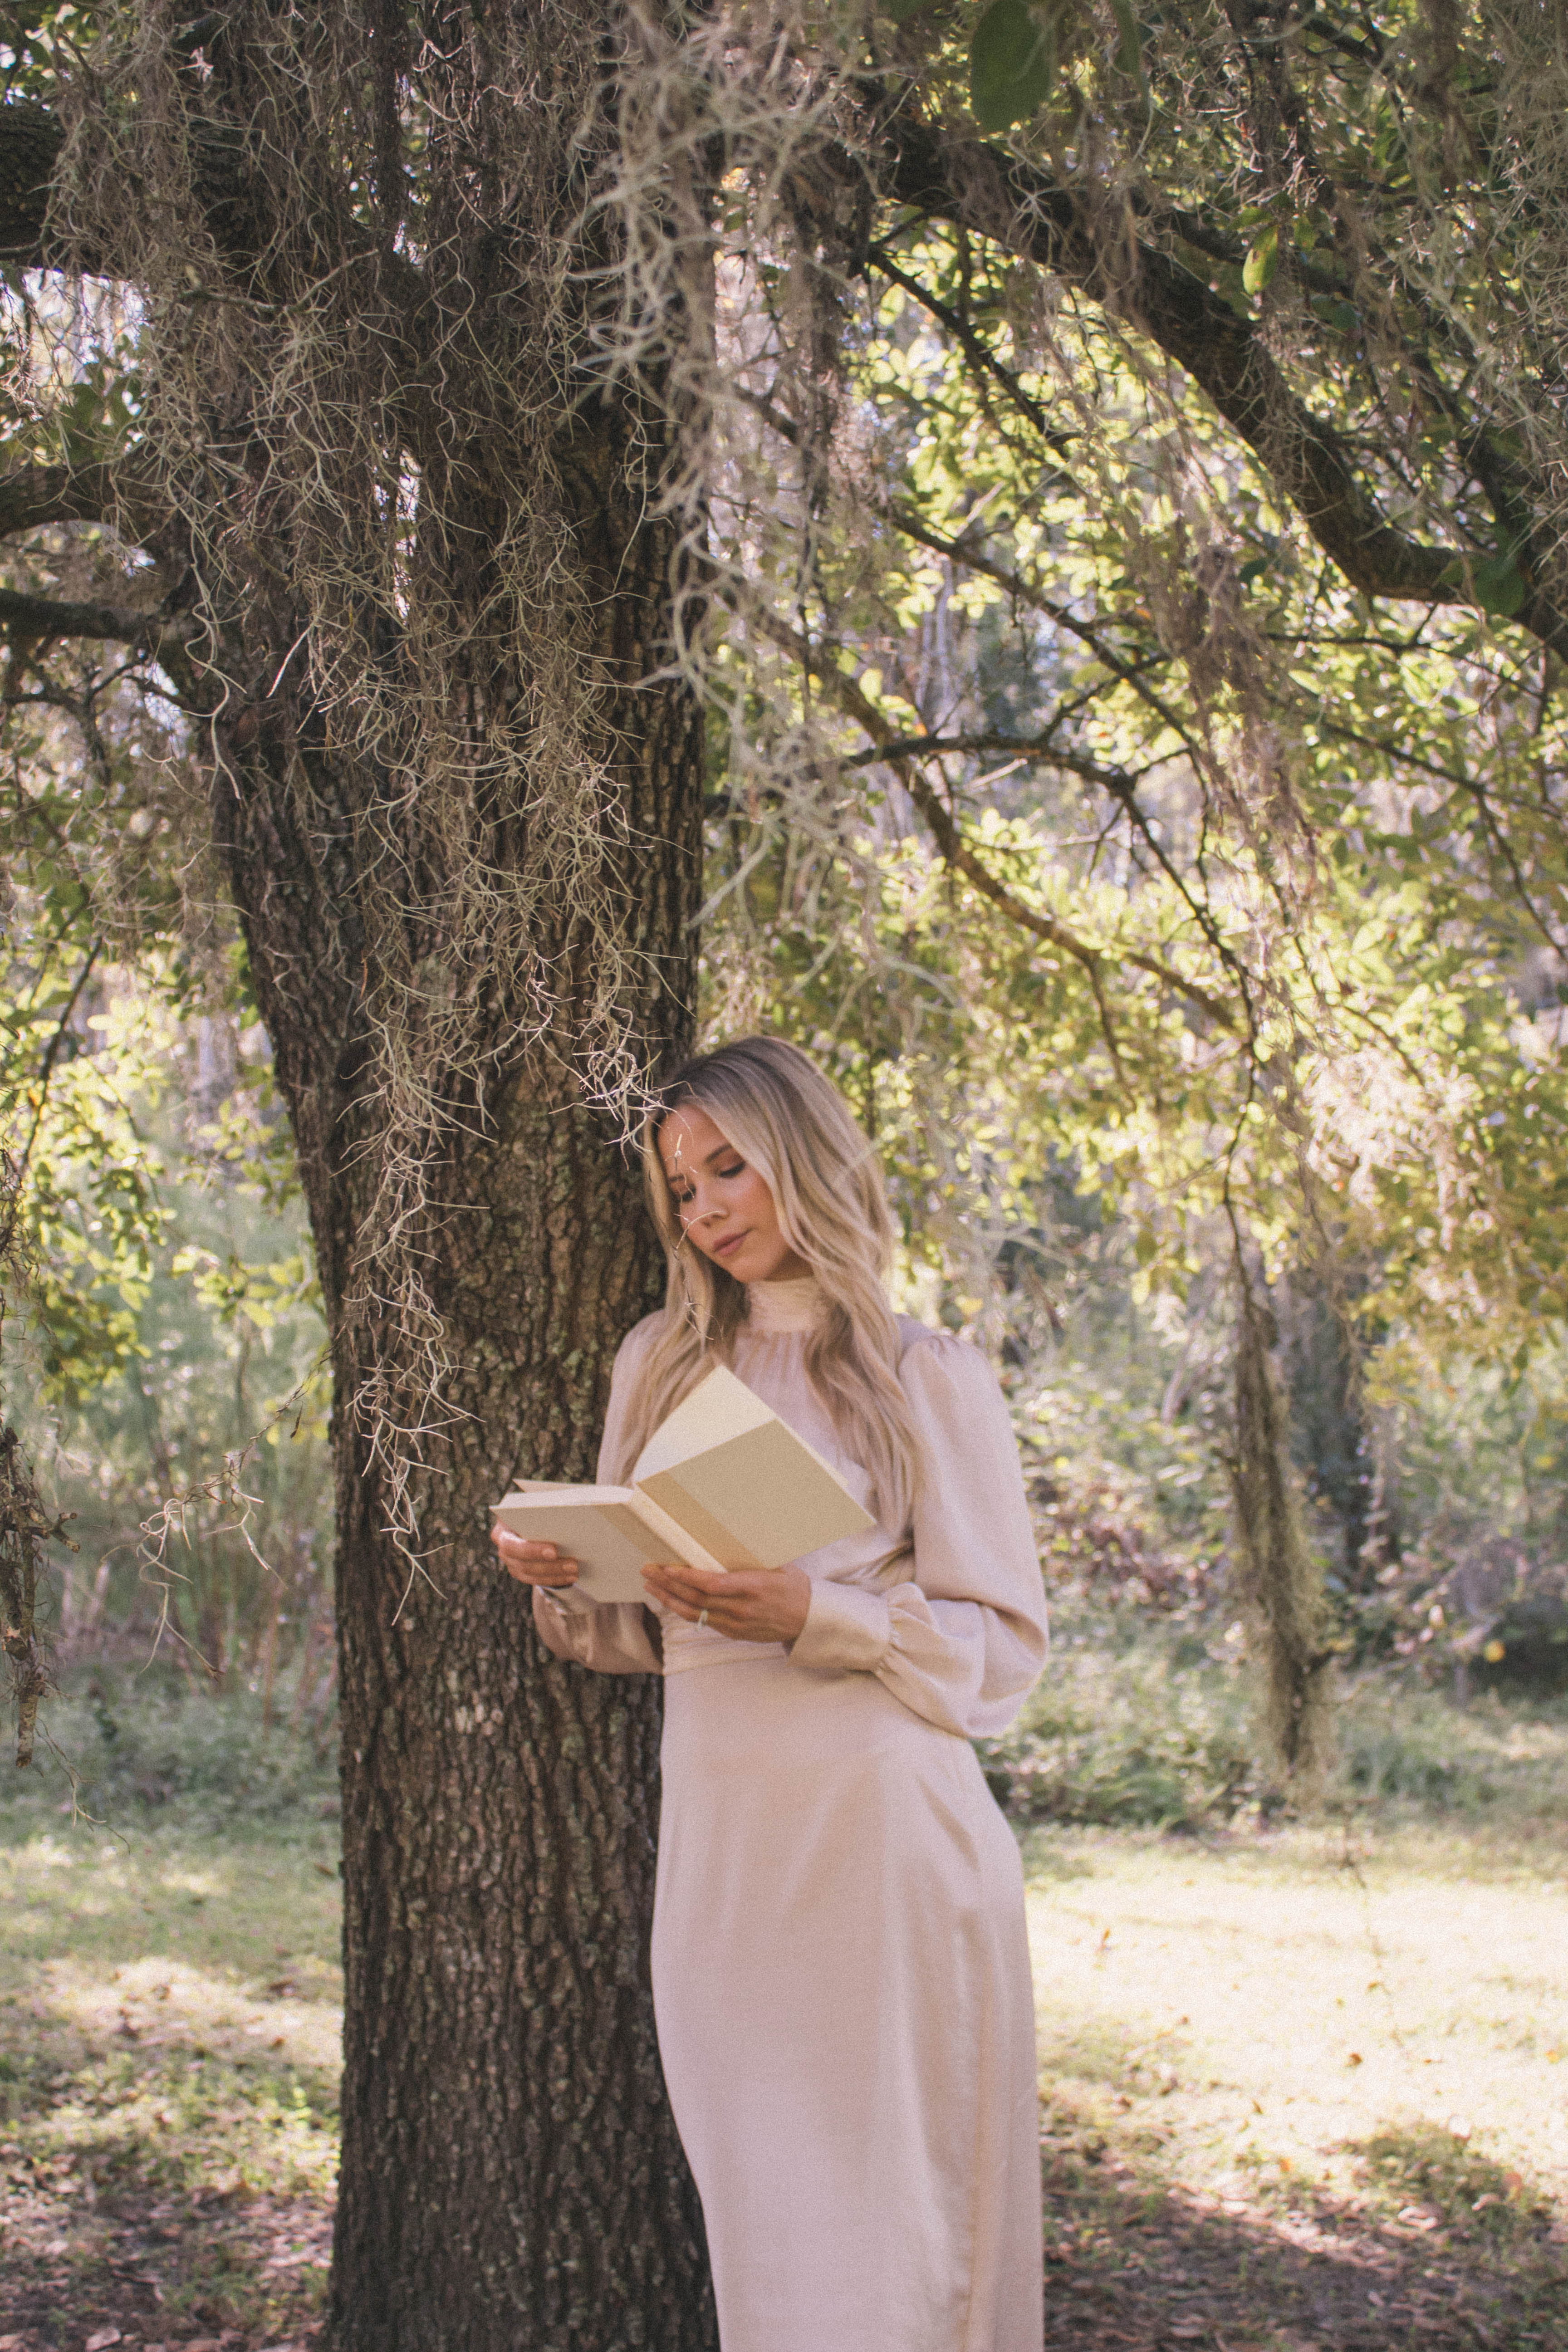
[[511, 2174]]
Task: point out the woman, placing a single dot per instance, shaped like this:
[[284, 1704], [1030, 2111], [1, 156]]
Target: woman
[[840, 1971]]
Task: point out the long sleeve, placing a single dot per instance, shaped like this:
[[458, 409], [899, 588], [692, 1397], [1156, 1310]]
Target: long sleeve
[[964, 1643], [613, 1638]]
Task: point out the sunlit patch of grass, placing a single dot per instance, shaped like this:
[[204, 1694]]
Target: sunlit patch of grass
[[1285, 1998], [1326, 2041]]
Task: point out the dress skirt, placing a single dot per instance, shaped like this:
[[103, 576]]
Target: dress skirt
[[841, 1979]]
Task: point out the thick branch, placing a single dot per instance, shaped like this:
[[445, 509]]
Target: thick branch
[[235, 208], [27, 619], [124, 490], [993, 195], [31, 143]]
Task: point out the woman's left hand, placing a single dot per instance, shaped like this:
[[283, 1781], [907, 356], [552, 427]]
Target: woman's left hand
[[753, 1604]]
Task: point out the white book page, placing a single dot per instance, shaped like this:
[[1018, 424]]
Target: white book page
[[719, 1407]]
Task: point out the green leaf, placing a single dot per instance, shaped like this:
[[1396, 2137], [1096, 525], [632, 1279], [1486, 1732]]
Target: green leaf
[[900, 10], [1011, 65], [1342, 316], [1262, 261], [1499, 586]]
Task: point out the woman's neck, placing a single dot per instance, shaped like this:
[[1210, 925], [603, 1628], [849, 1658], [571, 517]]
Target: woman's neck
[[774, 1309]]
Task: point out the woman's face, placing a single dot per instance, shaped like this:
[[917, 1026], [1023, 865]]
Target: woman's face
[[724, 1203]]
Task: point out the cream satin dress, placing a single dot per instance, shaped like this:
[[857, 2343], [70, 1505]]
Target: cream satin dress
[[840, 1970]]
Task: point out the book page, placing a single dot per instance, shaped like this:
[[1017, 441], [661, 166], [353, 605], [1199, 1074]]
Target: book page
[[601, 1528], [719, 1407], [758, 1500], [611, 1532]]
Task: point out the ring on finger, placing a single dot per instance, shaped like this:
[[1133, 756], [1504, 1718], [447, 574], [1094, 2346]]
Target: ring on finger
[[702, 1617]]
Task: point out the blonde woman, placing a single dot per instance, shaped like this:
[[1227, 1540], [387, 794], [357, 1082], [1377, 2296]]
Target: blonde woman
[[841, 1974]]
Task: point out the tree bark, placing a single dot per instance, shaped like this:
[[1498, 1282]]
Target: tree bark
[[512, 2176]]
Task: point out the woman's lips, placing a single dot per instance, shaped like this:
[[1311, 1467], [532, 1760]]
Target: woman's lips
[[730, 1242]]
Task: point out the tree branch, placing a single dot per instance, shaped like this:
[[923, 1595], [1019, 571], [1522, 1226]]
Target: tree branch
[[957, 853], [26, 619], [994, 194]]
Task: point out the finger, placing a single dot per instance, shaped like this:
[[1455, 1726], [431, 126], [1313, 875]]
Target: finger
[[696, 1580], [672, 1595], [678, 1596], [530, 1569], [520, 1547]]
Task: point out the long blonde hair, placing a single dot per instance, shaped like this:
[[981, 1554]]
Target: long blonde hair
[[772, 1103]]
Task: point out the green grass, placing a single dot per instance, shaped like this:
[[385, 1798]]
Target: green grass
[[1323, 2068], [1303, 2083], [169, 2023]]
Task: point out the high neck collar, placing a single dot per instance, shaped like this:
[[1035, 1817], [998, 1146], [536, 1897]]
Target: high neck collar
[[774, 1308]]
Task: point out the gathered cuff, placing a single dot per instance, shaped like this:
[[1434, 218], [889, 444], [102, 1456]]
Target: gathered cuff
[[846, 1628], [567, 1600]]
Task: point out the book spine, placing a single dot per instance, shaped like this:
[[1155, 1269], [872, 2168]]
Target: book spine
[[682, 1546]]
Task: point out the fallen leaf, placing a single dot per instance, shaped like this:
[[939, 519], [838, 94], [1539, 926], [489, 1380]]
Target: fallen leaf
[[103, 2339], [1354, 2059]]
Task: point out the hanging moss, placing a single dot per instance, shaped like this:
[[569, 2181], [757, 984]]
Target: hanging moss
[[1281, 1583], [23, 1525]]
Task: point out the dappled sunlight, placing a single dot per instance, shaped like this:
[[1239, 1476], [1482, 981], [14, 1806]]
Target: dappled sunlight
[[1289, 2083], [165, 2005], [1267, 2015]]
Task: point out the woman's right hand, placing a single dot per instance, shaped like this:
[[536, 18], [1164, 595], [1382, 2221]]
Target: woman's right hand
[[530, 1562]]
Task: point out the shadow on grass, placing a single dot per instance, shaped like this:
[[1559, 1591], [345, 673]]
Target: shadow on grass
[[1444, 2251], [174, 2199], [1441, 2250]]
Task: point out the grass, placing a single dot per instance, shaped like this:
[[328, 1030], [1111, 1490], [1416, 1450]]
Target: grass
[[1331, 2067], [169, 2029], [1303, 2084]]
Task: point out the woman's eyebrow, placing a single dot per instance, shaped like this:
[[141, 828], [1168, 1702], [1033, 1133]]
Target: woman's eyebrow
[[724, 1152]]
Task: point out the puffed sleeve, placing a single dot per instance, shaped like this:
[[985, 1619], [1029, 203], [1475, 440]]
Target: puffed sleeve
[[963, 1644], [613, 1637]]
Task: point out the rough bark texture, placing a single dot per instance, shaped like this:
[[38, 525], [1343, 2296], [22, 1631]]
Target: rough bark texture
[[512, 2176]]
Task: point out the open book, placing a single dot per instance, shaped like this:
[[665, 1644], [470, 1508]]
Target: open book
[[722, 1484]]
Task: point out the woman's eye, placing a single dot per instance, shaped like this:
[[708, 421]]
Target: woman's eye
[[737, 1169]]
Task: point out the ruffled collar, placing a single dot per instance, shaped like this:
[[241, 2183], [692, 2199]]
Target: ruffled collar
[[774, 1308]]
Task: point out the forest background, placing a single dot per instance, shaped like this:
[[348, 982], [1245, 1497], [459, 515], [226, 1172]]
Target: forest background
[[1104, 472]]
